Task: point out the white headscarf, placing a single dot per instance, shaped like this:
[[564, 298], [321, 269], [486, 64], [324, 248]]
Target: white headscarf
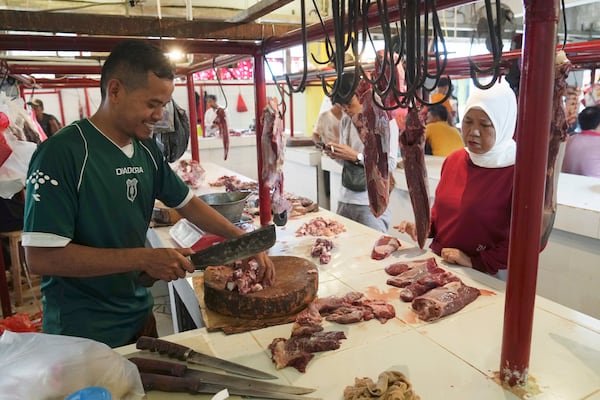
[[500, 104]]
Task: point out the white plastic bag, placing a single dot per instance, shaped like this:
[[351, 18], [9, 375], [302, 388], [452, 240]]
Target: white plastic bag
[[41, 366], [13, 173]]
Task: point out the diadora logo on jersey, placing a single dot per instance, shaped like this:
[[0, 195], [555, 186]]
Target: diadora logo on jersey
[[132, 189], [37, 179], [129, 170]]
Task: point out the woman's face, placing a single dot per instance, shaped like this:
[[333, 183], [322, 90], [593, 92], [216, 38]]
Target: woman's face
[[478, 131], [353, 107]]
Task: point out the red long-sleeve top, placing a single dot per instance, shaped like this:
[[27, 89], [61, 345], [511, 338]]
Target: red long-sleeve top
[[472, 211]]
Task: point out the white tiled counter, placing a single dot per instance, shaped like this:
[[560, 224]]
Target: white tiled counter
[[453, 358]]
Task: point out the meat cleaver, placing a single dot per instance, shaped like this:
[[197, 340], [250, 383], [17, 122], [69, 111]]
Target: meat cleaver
[[228, 251]]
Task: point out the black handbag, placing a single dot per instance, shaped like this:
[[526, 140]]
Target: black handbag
[[354, 176]]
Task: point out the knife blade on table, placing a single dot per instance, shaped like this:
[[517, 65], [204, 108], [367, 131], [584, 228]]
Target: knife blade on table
[[184, 353], [228, 251], [168, 383], [150, 365]]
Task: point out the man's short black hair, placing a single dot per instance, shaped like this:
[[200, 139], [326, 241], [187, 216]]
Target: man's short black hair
[[131, 60], [443, 82], [439, 111], [211, 97], [589, 118], [345, 89]]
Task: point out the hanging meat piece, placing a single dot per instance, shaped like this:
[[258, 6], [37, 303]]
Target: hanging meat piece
[[558, 136], [273, 150], [373, 128], [221, 121], [412, 144], [444, 300]]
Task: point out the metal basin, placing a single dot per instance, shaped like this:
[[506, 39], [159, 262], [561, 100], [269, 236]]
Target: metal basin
[[228, 204]]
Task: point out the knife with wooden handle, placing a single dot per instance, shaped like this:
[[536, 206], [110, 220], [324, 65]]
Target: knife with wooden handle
[[150, 365], [184, 353], [168, 383]]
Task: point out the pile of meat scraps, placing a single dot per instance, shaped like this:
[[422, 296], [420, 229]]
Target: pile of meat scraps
[[320, 226], [191, 172], [433, 291], [244, 278], [322, 249], [390, 385], [307, 333]]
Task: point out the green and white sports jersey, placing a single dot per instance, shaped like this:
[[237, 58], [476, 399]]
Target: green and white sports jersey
[[83, 188]]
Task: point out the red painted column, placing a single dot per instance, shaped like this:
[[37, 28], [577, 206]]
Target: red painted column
[[193, 116], [260, 93], [291, 113], [533, 127], [88, 109]]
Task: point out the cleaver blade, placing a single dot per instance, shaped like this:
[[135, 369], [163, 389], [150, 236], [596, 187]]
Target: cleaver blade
[[235, 249], [228, 251]]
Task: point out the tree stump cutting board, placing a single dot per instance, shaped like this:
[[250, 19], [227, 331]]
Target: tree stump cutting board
[[296, 285]]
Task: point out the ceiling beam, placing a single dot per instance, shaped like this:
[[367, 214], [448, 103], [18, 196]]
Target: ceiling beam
[[105, 44], [110, 25], [258, 10]]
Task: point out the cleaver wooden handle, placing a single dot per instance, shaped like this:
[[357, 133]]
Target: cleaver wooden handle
[[171, 349], [159, 366], [167, 383]]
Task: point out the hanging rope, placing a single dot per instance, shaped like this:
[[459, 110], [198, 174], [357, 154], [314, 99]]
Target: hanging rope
[[495, 37], [300, 88], [218, 75]]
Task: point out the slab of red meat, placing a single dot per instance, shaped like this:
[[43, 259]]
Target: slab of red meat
[[282, 358], [412, 144], [419, 270], [372, 124], [307, 333], [400, 267], [558, 137], [425, 284], [221, 121], [297, 351], [444, 300], [384, 246]]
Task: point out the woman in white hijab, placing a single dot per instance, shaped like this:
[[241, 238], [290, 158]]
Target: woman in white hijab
[[470, 219]]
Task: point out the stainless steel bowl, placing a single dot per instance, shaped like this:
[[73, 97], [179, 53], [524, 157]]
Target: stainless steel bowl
[[228, 204]]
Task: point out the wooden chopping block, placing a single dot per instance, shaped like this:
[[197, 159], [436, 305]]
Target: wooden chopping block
[[296, 285]]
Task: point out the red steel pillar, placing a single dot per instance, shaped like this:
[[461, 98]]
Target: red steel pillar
[[260, 91], [193, 116], [533, 127]]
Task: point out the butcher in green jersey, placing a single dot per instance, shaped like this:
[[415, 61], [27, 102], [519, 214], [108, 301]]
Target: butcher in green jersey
[[90, 193]]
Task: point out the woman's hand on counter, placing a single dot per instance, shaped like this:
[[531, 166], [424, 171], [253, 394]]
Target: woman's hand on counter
[[407, 227], [455, 256]]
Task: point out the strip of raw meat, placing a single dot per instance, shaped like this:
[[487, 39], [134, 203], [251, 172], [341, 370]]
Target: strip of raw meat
[[221, 121], [384, 246], [382, 310], [400, 267], [298, 359], [414, 274], [273, 151], [412, 144], [373, 128], [444, 300], [425, 284], [297, 351], [558, 136]]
